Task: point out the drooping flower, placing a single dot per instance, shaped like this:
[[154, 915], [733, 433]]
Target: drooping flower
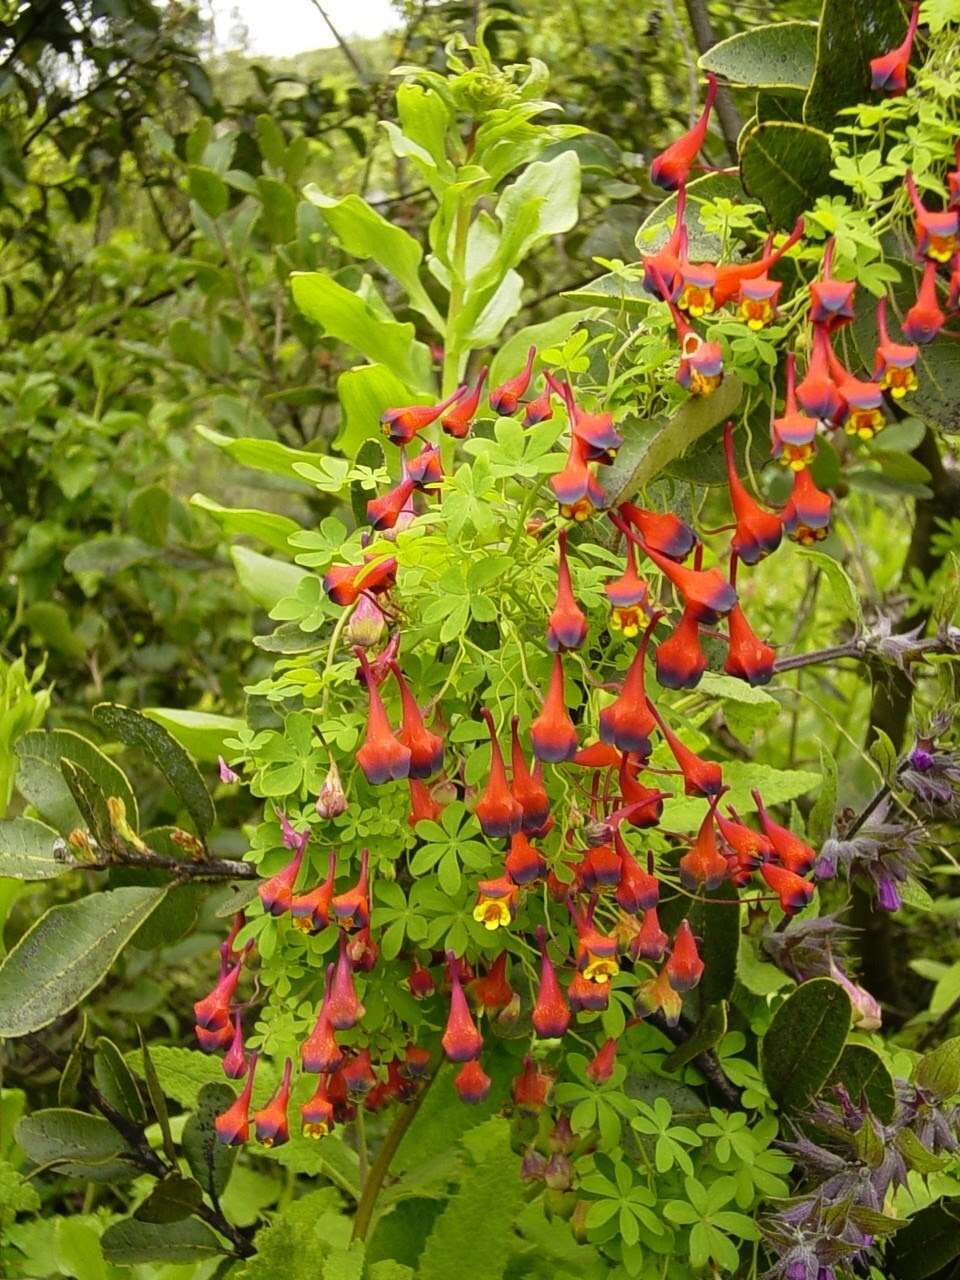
[[213, 1011], [793, 432], [863, 416], [748, 845], [492, 992], [584, 995], [383, 756], [806, 517], [384, 512], [889, 71], [316, 1114], [426, 748], [527, 789], [496, 902], [627, 722], [644, 805], [658, 994], [596, 951], [684, 967], [703, 864], [423, 807], [794, 892], [831, 300], [540, 409], [661, 530], [600, 1067], [358, 1074], [235, 1060], [497, 810], [344, 1009], [276, 894], [672, 166], [313, 908], [505, 398], [700, 777], [461, 1040], [895, 367], [363, 949], [456, 421], [352, 908], [661, 270], [700, 370], [758, 532], [214, 1039], [697, 283], [416, 1061], [637, 890], [650, 942], [748, 658], [551, 1013], [924, 320], [401, 425], [233, 1125], [320, 1051], [270, 1122], [531, 1087], [598, 438], [757, 301], [627, 595], [791, 852], [599, 867], [553, 734], [567, 624], [426, 469], [576, 487], [471, 1082], [936, 233], [523, 864], [749, 281], [705, 592], [680, 661], [343, 583]]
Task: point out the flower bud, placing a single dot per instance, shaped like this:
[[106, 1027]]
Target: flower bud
[[366, 624], [331, 801]]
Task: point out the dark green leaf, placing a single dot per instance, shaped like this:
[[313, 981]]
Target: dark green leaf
[[780, 55], [131, 1241], [927, 1245], [81, 1145], [116, 1081], [786, 167], [70, 1076], [39, 778], [710, 1031], [863, 1072], [157, 1101], [210, 1161], [171, 1200], [850, 34], [804, 1041], [91, 802]]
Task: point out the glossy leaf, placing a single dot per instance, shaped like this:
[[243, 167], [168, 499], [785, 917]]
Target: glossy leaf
[[779, 55], [850, 34], [803, 1043], [27, 850], [202, 733], [131, 1241], [786, 167]]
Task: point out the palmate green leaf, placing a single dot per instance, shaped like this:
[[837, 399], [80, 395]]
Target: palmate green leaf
[[266, 526], [66, 954], [131, 1241], [849, 35], [786, 167], [202, 733], [778, 55], [803, 1043], [166, 753], [40, 780], [26, 850]]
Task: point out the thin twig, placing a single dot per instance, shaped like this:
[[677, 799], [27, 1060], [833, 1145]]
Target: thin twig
[[347, 52]]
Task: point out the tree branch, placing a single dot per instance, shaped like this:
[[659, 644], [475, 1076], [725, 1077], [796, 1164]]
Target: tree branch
[[202, 869]]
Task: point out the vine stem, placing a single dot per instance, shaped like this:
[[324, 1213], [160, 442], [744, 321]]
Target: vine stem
[[381, 1166], [207, 869]]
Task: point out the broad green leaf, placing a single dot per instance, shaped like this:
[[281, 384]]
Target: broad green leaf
[[850, 34], [263, 455], [91, 802], [210, 1161], [349, 318], [171, 1200], [939, 1070], [66, 953], [928, 1245], [39, 778], [266, 526], [82, 1145], [840, 583], [863, 1072], [78, 1249], [716, 921], [278, 218], [365, 393], [612, 290], [110, 554], [803, 1043], [181, 1073], [26, 850], [130, 1241], [116, 1081], [166, 753], [208, 189], [709, 1031], [265, 579], [552, 188], [202, 733], [780, 55], [786, 167]]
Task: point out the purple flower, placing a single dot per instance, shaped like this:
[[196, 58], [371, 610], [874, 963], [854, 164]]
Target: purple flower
[[227, 775]]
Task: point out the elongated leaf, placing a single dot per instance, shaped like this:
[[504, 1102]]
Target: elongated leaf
[[210, 1161], [82, 1145], [786, 167], [201, 732], [820, 819], [803, 1043], [780, 55], [66, 953], [265, 455], [267, 526], [26, 850], [265, 580], [170, 758], [157, 1101], [132, 1241], [90, 800], [939, 1070], [116, 1081], [862, 1071], [40, 781], [849, 35], [70, 1076], [840, 582], [108, 555], [709, 1031]]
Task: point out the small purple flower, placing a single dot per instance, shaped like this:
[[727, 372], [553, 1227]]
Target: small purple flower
[[227, 775]]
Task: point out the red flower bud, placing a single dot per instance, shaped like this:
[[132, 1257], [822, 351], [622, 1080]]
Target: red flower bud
[[426, 469], [343, 1008], [794, 892], [806, 517], [745, 843], [320, 1051], [358, 1074], [817, 393], [343, 583], [270, 1121], [213, 1039], [582, 994], [382, 756], [552, 733], [527, 788], [497, 811], [703, 864], [505, 398], [889, 71], [461, 1040], [758, 532], [531, 1088], [423, 807], [924, 320], [700, 777], [671, 167], [471, 1082], [567, 625], [421, 981], [540, 409], [314, 907], [401, 425], [748, 658], [636, 889], [416, 1061], [551, 1014], [426, 748], [276, 894], [232, 1126], [627, 722], [600, 1068], [213, 1011], [680, 660], [493, 991], [523, 863], [791, 852], [650, 942], [384, 512], [352, 909], [235, 1060], [457, 421], [831, 300], [684, 967], [895, 367], [794, 431]]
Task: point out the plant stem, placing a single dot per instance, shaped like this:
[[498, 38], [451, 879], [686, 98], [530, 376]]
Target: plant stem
[[205, 869]]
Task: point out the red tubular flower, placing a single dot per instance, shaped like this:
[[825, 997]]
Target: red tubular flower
[[758, 532], [889, 72], [401, 425], [672, 166], [650, 942], [703, 864], [421, 981], [748, 658], [471, 1082], [661, 270], [750, 281], [600, 1067], [531, 1088], [936, 233], [598, 755], [700, 777], [270, 1122], [505, 398], [313, 908], [276, 894], [793, 433], [426, 469], [864, 415], [316, 1114], [551, 1013], [697, 283], [706, 592], [352, 908], [791, 852], [384, 512], [497, 810], [831, 300], [461, 1040], [700, 370], [749, 846], [540, 409], [358, 1074], [661, 530], [924, 320], [343, 1007], [233, 1125], [344, 582], [637, 890], [627, 722], [457, 421], [493, 991], [599, 867], [426, 748], [523, 863], [576, 487], [585, 995], [235, 1060], [895, 367], [596, 952], [684, 967], [597, 436], [953, 293], [644, 804], [567, 625], [806, 517], [679, 659], [794, 892], [213, 1011], [362, 950], [529, 793], [416, 1061], [320, 1051], [213, 1039], [657, 993], [343, 1108], [553, 735], [496, 902], [382, 756], [817, 393], [423, 807]]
